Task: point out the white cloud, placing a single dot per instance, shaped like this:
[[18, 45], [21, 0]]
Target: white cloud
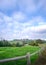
[[12, 28], [18, 16], [1, 20], [17, 25], [38, 29]]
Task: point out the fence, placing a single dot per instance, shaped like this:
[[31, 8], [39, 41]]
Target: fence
[[27, 56]]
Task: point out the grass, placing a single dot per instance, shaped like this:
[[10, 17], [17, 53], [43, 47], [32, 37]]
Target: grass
[[42, 59], [9, 52]]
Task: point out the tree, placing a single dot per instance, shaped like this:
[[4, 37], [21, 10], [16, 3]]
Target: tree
[[33, 43], [18, 44], [39, 41], [24, 42], [4, 43]]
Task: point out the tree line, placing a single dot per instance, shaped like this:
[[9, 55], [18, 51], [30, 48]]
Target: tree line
[[5, 43]]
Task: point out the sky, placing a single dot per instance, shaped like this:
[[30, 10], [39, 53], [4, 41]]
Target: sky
[[22, 19]]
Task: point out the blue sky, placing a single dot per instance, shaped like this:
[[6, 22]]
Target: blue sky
[[22, 19]]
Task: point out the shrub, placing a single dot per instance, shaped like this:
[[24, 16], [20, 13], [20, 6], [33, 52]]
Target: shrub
[[18, 44], [4, 43], [32, 43]]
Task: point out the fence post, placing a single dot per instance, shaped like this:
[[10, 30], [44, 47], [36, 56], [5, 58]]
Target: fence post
[[28, 59]]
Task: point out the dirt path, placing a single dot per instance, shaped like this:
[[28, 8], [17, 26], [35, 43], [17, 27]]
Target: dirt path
[[42, 59]]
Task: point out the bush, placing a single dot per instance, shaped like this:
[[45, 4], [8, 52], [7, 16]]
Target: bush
[[32, 43], [39, 41], [4, 43], [18, 44]]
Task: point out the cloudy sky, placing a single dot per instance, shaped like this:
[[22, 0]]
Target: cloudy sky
[[22, 19]]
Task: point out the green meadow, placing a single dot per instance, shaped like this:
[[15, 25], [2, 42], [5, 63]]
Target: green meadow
[[10, 52]]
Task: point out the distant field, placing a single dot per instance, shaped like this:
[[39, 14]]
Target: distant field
[[9, 52]]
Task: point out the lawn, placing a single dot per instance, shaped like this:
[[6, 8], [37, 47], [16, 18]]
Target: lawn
[[9, 52]]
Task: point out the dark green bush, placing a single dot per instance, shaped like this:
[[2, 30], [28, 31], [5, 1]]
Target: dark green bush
[[4, 43], [18, 44]]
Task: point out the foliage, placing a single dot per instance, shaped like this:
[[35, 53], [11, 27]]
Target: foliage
[[39, 41], [4, 43], [33, 43], [8, 52], [43, 54], [24, 42], [18, 44]]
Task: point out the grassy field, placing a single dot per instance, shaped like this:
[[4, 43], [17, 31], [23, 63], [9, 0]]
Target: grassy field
[[9, 52]]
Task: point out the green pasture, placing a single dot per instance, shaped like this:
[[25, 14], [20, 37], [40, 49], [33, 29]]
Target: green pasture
[[9, 52]]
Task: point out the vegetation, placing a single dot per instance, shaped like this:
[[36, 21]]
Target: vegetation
[[33, 43], [42, 58], [39, 41], [17, 48], [8, 52], [4, 43], [19, 43]]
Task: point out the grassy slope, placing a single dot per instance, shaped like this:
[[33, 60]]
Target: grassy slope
[[6, 52]]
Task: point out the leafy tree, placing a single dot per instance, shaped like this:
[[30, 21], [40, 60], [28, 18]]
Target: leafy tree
[[24, 42], [39, 41], [33, 43], [4, 43], [18, 44]]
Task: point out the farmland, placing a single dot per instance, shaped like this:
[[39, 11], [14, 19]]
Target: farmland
[[9, 52]]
